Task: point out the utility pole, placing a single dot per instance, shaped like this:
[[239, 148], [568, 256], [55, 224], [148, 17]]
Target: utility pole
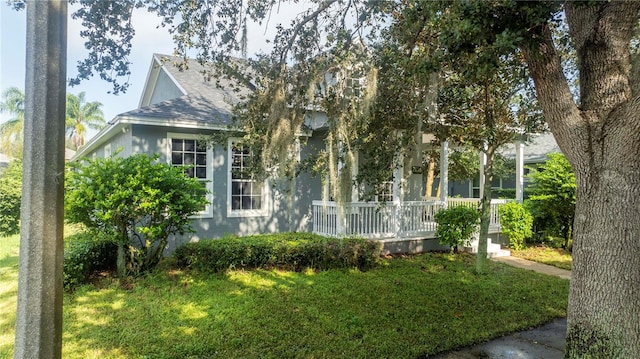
[[39, 315]]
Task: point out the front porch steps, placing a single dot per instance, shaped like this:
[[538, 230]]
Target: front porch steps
[[493, 249]]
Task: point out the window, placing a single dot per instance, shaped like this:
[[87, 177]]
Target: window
[[385, 193], [246, 195], [186, 150]]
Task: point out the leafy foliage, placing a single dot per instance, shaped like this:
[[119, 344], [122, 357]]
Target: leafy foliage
[[456, 226], [10, 197], [516, 222], [84, 254], [552, 198], [136, 201], [294, 251]]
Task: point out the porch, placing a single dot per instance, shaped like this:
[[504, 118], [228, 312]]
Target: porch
[[407, 226]]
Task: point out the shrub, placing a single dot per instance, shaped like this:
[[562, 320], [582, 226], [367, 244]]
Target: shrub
[[552, 198], [293, 251], [10, 197], [456, 226], [516, 222], [84, 254], [135, 200]]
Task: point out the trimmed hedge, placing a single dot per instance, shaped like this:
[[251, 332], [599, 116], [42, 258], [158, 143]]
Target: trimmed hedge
[[85, 253], [291, 251]]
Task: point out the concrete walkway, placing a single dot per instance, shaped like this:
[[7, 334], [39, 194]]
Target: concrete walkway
[[544, 342], [534, 266]]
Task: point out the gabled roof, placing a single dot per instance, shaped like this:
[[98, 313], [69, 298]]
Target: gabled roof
[[190, 100], [196, 108], [190, 79]]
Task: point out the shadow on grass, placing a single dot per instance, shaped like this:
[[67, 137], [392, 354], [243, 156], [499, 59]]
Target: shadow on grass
[[410, 307]]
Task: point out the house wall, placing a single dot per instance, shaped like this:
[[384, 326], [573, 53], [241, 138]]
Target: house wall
[[281, 215], [164, 89], [121, 141]]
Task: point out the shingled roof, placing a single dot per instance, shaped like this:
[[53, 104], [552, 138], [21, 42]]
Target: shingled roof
[[203, 100]]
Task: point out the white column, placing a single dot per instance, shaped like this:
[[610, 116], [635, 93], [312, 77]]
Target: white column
[[444, 171], [397, 191], [519, 171], [355, 190], [483, 162]]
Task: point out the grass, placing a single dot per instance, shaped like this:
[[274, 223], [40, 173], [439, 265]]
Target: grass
[[556, 257], [410, 307]]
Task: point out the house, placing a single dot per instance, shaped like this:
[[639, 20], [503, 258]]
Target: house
[[177, 108], [534, 152]]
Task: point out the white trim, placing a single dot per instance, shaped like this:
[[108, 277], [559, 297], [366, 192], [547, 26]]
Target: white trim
[[208, 211], [231, 213], [107, 150], [121, 121]]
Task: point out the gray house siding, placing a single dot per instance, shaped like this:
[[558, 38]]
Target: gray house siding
[[165, 89], [283, 212]]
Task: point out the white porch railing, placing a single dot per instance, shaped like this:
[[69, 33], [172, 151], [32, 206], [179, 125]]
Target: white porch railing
[[386, 220]]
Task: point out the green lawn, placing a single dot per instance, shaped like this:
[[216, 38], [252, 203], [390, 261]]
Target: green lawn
[[410, 307], [556, 257]]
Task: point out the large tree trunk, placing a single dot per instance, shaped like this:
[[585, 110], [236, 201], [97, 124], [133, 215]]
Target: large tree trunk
[[604, 314], [601, 139]]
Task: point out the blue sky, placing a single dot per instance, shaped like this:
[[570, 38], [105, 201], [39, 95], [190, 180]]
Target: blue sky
[[148, 40]]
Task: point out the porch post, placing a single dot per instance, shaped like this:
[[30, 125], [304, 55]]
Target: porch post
[[398, 171], [519, 171], [444, 172], [483, 162]]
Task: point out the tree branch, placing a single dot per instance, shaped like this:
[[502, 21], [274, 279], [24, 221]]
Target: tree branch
[[552, 88], [601, 36]]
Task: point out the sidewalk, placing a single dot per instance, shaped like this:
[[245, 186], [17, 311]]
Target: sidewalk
[[534, 266], [544, 342]]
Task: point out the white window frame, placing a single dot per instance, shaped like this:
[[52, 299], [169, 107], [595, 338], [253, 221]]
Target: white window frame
[[243, 212], [208, 210]]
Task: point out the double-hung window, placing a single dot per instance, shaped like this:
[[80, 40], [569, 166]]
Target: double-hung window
[[246, 195], [190, 152]]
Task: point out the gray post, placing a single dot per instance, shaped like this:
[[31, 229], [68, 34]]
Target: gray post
[[39, 315]]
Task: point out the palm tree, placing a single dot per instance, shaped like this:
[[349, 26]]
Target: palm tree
[[81, 115], [11, 130]]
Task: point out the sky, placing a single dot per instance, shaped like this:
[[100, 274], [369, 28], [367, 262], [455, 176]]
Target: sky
[[148, 39]]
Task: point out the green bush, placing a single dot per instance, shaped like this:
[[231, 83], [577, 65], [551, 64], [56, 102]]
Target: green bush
[[507, 193], [455, 226], [135, 200], [10, 197], [293, 251], [552, 198], [516, 222], [85, 253]]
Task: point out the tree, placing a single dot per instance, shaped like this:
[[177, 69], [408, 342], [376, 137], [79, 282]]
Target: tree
[[136, 201], [11, 130], [10, 196], [80, 115], [598, 133], [487, 110], [552, 195]]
